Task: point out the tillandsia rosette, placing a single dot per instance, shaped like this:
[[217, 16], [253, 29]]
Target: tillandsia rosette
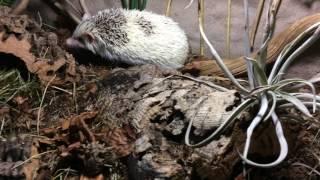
[[266, 91]]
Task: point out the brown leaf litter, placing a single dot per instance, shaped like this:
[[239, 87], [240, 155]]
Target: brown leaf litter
[[135, 125], [39, 50]]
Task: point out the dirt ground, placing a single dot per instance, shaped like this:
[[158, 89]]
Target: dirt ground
[[62, 118]]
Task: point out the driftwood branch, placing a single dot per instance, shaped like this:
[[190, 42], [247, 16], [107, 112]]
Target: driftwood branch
[[238, 65]]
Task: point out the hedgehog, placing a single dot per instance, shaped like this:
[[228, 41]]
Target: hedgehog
[[132, 37]]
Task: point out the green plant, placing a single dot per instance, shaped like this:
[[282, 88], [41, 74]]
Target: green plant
[[12, 84], [134, 4], [6, 2], [268, 92]]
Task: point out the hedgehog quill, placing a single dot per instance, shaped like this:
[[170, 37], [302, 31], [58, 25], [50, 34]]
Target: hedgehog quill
[[132, 37]]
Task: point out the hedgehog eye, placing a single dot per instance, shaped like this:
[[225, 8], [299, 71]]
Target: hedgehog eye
[[86, 37], [81, 40]]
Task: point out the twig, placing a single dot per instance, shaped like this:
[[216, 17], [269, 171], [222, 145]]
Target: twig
[[229, 29], [60, 172], [308, 167], [73, 6], [201, 22], [74, 17], [41, 103], [317, 165], [220, 88], [315, 137], [2, 125], [247, 44], [168, 10], [41, 51], [63, 90], [32, 157], [20, 7], [256, 24], [40, 19], [67, 174], [190, 3], [88, 131], [84, 7], [269, 29], [45, 53], [49, 26], [74, 93]]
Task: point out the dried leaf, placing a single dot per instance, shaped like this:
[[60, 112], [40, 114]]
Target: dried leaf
[[119, 140], [16, 40], [30, 169], [20, 100]]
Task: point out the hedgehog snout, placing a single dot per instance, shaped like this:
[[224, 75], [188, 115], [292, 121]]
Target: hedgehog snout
[[74, 43]]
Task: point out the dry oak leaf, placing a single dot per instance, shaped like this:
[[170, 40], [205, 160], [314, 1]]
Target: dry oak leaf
[[30, 169], [80, 121], [40, 66], [121, 141]]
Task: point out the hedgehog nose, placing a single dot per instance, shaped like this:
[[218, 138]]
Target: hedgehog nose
[[70, 42], [73, 43]]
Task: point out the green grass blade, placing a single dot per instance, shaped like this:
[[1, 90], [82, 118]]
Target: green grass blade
[[136, 4], [124, 4], [6, 2], [144, 4], [131, 4], [140, 5]]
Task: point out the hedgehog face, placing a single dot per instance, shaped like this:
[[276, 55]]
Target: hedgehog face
[[82, 41], [83, 37]]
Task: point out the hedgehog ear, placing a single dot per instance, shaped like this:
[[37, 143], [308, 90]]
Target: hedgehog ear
[[86, 16], [88, 36]]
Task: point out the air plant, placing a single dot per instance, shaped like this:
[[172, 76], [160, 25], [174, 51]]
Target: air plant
[[134, 4], [268, 92]]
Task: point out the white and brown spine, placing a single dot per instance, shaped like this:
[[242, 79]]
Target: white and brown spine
[[133, 37]]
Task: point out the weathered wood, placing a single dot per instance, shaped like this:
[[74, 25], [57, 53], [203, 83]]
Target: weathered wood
[[238, 65], [155, 106]]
